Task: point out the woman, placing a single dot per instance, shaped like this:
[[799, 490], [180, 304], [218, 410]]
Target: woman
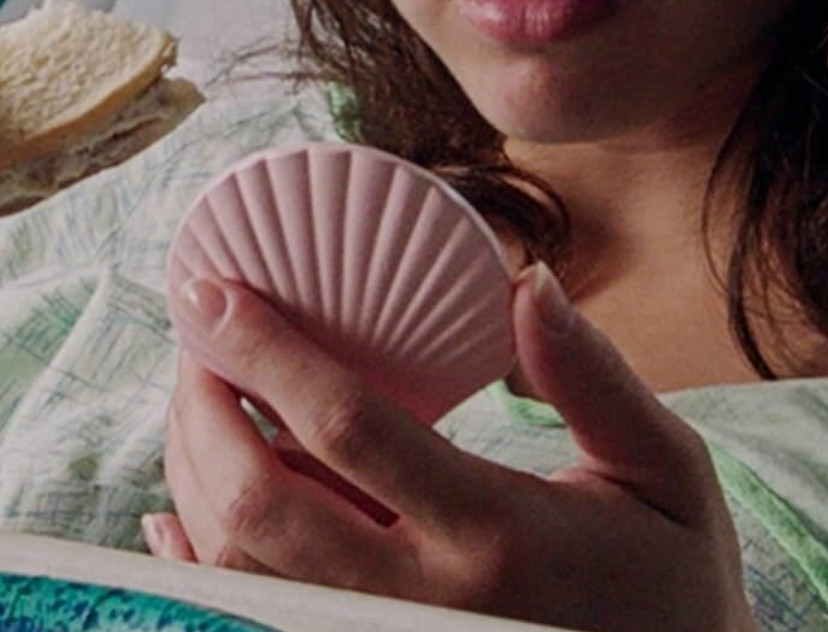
[[667, 160]]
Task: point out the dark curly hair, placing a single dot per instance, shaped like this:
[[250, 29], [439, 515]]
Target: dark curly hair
[[404, 100]]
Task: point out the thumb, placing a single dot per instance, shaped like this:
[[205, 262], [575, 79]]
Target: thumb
[[616, 420]]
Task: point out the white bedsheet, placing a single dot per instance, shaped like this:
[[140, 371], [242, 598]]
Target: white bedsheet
[[86, 351], [85, 346]]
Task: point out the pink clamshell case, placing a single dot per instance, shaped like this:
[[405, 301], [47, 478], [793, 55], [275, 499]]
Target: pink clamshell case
[[375, 259]]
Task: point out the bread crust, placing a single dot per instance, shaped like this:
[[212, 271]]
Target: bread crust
[[183, 98], [17, 205], [105, 112]]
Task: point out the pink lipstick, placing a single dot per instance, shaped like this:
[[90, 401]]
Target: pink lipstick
[[535, 23]]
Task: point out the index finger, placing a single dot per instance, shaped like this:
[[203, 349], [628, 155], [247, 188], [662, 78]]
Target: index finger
[[368, 440], [261, 512]]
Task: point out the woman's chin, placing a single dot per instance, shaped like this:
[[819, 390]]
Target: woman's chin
[[544, 125], [573, 116]]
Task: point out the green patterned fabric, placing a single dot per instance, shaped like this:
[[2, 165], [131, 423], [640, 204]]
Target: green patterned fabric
[[772, 427], [776, 515], [344, 111]]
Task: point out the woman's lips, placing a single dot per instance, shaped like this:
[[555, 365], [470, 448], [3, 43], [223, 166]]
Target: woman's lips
[[534, 23]]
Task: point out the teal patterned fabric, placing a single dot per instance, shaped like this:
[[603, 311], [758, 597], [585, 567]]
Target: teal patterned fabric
[[37, 604]]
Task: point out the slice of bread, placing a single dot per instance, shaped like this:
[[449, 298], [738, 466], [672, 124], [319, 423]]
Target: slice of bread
[[80, 90], [64, 68], [153, 115]]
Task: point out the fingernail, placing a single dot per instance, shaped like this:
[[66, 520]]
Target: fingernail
[[153, 533], [555, 309], [204, 303]]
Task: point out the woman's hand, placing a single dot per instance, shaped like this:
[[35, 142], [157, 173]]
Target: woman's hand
[[635, 537]]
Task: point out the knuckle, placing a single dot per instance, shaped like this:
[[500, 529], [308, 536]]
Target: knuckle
[[345, 429], [256, 351], [178, 407], [178, 400], [699, 474], [475, 558], [170, 464], [172, 449], [231, 557], [251, 330], [172, 416], [499, 551], [188, 398], [488, 567], [250, 514], [695, 448], [225, 556]]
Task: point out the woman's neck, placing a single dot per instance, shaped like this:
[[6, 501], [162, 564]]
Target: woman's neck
[[638, 265], [638, 200]]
